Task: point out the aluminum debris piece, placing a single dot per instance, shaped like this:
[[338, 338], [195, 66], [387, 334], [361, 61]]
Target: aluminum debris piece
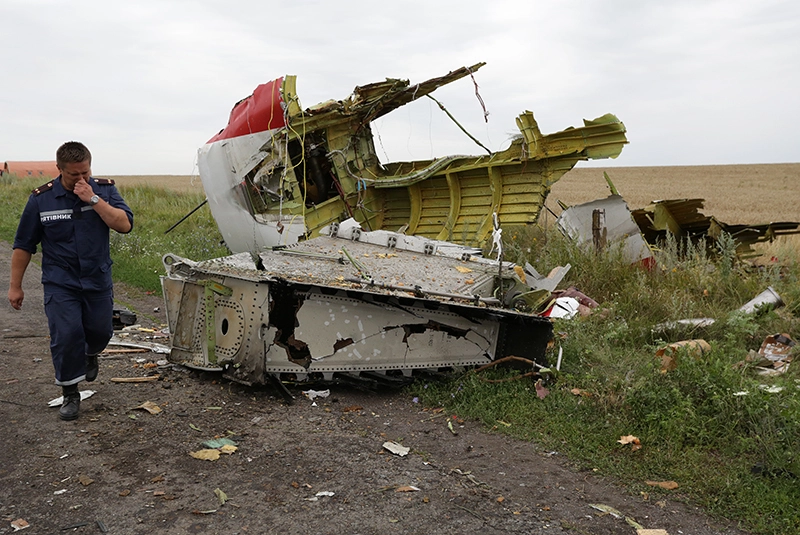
[[604, 222], [60, 399], [682, 218], [314, 394], [391, 305], [616, 514], [777, 347], [150, 346], [397, 449], [563, 308], [321, 494], [766, 300], [607, 509], [550, 282], [686, 324]]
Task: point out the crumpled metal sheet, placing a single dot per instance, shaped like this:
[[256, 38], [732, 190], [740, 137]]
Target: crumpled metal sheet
[[618, 226]]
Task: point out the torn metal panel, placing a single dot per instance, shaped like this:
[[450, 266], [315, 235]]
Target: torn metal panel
[[550, 282], [371, 101], [747, 235], [683, 219], [606, 221], [278, 174], [359, 335], [766, 300], [334, 305], [680, 217]]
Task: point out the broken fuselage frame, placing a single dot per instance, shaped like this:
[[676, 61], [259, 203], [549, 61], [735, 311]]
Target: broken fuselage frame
[[278, 174], [348, 303]]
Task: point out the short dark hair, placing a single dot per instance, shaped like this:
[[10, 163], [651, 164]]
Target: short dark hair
[[72, 152]]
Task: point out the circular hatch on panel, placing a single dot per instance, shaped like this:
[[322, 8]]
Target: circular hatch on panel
[[229, 320]]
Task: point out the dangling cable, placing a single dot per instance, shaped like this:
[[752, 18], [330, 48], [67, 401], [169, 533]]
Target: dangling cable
[[478, 95], [473, 138]]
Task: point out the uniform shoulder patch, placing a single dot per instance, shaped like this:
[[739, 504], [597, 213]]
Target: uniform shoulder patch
[[43, 188], [104, 181]]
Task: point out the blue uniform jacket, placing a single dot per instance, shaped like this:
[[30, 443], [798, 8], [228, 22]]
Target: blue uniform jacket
[[74, 239]]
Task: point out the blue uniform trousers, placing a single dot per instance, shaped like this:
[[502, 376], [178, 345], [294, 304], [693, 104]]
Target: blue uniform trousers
[[81, 324]]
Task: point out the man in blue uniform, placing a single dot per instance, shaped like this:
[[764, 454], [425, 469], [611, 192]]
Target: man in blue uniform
[[70, 217]]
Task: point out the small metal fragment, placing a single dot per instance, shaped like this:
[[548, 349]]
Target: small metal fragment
[[74, 526]]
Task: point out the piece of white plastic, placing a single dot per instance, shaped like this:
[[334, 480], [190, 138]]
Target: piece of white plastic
[[564, 307], [59, 400], [396, 448], [314, 394]]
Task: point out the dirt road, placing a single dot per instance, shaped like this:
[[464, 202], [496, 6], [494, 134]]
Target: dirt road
[[306, 468]]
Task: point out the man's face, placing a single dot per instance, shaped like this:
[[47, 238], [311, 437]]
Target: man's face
[[71, 173]]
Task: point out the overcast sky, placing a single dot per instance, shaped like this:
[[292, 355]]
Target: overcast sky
[[146, 83]]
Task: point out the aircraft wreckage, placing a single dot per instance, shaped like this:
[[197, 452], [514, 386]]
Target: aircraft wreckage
[[278, 174], [644, 230], [349, 303], [341, 267]]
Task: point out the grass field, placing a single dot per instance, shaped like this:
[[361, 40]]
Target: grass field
[[177, 183]]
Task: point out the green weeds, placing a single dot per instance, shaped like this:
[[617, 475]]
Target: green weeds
[[137, 255], [728, 436]]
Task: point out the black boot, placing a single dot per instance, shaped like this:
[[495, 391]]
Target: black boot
[[71, 404], [92, 367]]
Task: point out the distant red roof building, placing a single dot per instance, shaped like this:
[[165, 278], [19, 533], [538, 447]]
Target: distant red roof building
[[23, 169]]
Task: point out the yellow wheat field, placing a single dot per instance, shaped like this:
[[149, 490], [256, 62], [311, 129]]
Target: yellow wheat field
[[735, 194]]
